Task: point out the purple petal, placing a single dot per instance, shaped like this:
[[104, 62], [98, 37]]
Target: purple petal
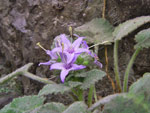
[[63, 57], [65, 40], [58, 66], [77, 67], [75, 58], [81, 50], [57, 49], [63, 74], [51, 54], [84, 45], [70, 57], [78, 36], [47, 63], [77, 43], [98, 63]]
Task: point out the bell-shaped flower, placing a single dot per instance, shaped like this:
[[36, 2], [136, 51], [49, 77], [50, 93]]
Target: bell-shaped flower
[[65, 67], [71, 48]]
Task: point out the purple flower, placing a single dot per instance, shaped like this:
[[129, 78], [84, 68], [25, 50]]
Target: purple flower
[[70, 49], [68, 53], [65, 67]]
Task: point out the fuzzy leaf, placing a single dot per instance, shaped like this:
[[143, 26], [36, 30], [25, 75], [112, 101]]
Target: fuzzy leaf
[[22, 104], [143, 39], [97, 30], [126, 105], [128, 26], [92, 77], [73, 84], [52, 107], [136, 101], [141, 86], [53, 88], [77, 107]]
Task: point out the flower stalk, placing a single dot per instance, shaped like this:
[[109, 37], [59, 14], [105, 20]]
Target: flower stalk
[[129, 66], [90, 95], [24, 71], [116, 67]]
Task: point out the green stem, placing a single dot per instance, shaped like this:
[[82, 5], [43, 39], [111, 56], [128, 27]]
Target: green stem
[[24, 71], [15, 73], [90, 95], [116, 67], [37, 78], [95, 96], [79, 93], [80, 96], [129, 66]]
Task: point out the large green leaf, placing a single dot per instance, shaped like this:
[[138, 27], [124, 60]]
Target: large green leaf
[[143, 39], [136, 101], [77, 107], [54, 88], [141, 87], [73, 84], [126, 105], [22, 104], [97, 30], [52, 107], [128, 26], [91, 77]]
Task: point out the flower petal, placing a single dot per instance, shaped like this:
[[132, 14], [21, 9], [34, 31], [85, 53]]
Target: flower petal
[[70, 57], [81, 50], [78, 36], [51, 54], [57, 49], [58, 66], [84, 44], [77, 43], [77, 67], [65, 40], [63, 57], [63, 74], [98, 63]]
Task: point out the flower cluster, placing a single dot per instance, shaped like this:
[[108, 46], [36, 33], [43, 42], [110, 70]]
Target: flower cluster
[[68, 53]]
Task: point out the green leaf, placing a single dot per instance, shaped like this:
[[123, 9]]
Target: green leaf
[[77, 107], [141, 87], [128, 26], [136, 101], [91, 77], [52, 107], [73, 84], [54, 88], [22, 104], [125, 105], [96, 31], [143, 39]]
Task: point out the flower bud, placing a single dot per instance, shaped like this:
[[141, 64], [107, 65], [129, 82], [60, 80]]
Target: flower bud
[[86, 63]]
